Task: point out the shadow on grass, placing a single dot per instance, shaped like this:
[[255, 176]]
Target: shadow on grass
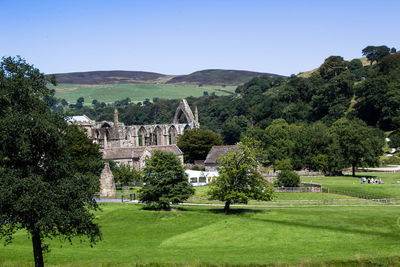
[[236, 211], [372, 232]]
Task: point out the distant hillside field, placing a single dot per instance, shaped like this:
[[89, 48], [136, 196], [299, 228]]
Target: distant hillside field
[[110, 77], [109, 86], [109, 93], [218, 77], [204, 77]]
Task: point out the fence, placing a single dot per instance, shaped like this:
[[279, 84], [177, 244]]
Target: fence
[[304, 188], [335, 202], [352, 193], [301, 173], [293, 189]]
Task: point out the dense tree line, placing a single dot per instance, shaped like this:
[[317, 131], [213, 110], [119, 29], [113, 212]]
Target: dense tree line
[[319, 147], [337, 89]]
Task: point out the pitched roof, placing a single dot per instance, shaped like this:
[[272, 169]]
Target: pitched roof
[[218, 151], [168, 148], [137, 152], [123, 152]]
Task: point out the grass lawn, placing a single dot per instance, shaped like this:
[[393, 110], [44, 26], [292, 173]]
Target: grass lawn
[[202, 197], [196, 235], [349, 183], [109, 93]]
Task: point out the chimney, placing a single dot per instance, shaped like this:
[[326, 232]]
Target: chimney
[[116, 122]]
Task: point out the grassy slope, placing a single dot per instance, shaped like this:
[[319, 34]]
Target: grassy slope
[[349, 183], [211, 76], [218, 76], [202, 197], [110, 77], [194, 235], [307, 74], [136, 92]]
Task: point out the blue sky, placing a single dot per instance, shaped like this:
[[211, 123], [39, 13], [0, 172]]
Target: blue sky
[[179, 37]]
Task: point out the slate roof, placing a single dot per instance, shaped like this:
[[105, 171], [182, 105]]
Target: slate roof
[[218, 151], [123, 152], [137, 152], [168, 148]]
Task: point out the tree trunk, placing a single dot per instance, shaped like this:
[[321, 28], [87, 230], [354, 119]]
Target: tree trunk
[[226, 208], [37, 248], [354, 170]]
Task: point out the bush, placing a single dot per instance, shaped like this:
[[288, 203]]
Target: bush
[[283, 164], [392, 160], [126, 174], [394, 139], [288, 178]]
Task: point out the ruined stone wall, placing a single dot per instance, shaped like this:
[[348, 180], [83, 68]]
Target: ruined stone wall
[[116, 134]]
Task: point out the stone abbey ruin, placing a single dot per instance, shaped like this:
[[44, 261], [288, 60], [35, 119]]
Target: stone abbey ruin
[[132, 144]]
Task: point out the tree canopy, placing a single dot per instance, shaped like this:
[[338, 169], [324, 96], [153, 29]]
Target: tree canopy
[[196, 143], [125, 174], [46, 184], [239, 179], [166, 181], [355, 143], [376, 53]]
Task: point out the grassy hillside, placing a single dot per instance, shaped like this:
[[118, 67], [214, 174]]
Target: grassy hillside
[[307, 74], [109, 86], [192, 236], [210, 77], [110, 77], [109, 93], [219, 77]]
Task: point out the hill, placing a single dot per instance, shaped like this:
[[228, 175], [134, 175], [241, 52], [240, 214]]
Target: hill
[[307, 74], [218, 77], [137, 92], [110, 77], [209, 77]]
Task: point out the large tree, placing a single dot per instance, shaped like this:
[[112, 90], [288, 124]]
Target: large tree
[[376, 53], [354, 144], [196, 143], [333, 66], [46, 185], [166, 181], [239, 179]]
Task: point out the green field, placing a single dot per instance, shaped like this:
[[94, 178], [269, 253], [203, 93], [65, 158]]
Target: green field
[[349, 183], [205, 235], [109, 93], [201, 196]]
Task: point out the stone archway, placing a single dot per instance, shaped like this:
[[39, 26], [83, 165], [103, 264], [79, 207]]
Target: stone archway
[[184, 108], [172, 134], [142, 136], [157, 136]]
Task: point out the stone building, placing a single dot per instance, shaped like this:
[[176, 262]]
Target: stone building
[[211, 163], [132, 144], [136, 156]]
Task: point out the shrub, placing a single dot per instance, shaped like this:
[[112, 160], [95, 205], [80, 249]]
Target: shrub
[[288, 178], [283, 164], [197, 168]]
